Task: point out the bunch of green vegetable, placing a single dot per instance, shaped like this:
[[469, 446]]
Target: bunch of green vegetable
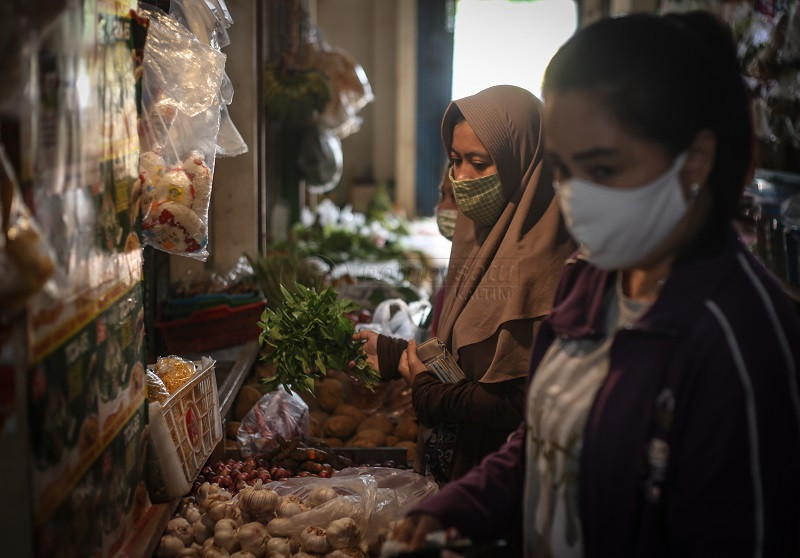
[[310, 334]]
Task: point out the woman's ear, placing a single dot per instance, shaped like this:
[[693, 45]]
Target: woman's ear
[[702, 153]]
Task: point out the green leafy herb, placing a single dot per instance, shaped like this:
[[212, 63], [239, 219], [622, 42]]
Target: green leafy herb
[[310, 334]]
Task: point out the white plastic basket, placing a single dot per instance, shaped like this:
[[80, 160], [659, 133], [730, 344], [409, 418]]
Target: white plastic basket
[[184, 430]]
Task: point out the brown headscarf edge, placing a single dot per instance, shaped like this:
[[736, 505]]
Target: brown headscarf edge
[[509, 271]]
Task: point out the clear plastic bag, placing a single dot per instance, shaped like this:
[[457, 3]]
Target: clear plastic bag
[[209, 24], [373, 497], [395, 318], [350, 88], [276, 413], [321, 161], [181, 83], [26, 257]]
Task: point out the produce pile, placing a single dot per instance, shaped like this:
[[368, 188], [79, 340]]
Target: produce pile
[[348, 515], [292, 458], [341, 424]]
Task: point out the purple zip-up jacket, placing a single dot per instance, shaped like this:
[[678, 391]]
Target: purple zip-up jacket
[[710, 369]]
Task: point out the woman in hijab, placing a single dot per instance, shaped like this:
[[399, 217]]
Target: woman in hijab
[[509, 245]]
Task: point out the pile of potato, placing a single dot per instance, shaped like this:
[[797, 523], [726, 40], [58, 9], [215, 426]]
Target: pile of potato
[[340, 423]]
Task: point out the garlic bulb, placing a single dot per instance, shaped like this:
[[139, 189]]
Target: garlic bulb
[[291, 505], [253, 537], [305, 555], [346, 553], [225, 534], [233, 512], [211, 550], [313, 539], [201, 531], [188, 552], [180, 528], [217, 510], [257, 500], [280, 527], [242, 554], [191, 514], [278, 546], [320, 495], [343, 533], [169, 545]]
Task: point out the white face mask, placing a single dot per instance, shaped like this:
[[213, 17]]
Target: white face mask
[[619, 228], [446, 220]]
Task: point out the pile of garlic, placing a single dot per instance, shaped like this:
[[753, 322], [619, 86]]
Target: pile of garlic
[[256, 524]]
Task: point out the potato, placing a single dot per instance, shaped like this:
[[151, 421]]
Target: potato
[[334, 442], [350, 411], [406, 430], [356, 443], [339, 427], [376, 437], [410, 446], [320, 416], [391, 441], [329, 394], [377, 422], [248, 396]]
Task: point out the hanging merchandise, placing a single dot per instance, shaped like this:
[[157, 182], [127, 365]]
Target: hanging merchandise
[[25, 255], [209, 24], [320, 160], [350, 88], [181, 82]]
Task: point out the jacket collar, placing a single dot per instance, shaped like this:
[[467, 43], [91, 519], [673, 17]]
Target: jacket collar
[[580, 311]]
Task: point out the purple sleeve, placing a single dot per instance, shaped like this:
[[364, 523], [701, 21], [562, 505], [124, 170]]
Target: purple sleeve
[[486, 503]]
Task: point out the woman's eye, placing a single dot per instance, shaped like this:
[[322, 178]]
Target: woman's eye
[[601, 173], [480, 166]]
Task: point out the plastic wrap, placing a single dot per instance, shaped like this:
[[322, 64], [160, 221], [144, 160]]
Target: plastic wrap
[[181, 83], [373, 497], [276, 413], [26, 257], [321, 161], [209, 23], [350, 88]]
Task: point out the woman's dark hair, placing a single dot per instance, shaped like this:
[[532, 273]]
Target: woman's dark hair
[[666, 78]]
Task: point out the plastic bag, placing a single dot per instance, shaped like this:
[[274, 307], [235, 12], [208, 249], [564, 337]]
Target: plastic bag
[[373, 497], [26, 257], [209, 24], [320, 160], [395, 318], [181, 82], [278, 412], [350, 88]]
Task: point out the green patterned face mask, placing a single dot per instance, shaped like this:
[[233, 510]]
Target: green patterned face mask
[[480, 199]]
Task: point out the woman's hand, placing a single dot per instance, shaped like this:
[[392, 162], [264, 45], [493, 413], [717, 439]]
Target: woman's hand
[[413, 529], [369, 346], [410, 364]]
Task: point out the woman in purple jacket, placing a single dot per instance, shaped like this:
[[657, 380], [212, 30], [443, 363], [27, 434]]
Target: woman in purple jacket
[[663, 415]]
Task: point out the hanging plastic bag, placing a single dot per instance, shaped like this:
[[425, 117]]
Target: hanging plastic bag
[[350, 88], [277, 413], [320, 160], [181, 82], [209, 24], [26, 257]]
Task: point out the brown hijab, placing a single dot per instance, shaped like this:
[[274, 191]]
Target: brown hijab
[[508, 272]]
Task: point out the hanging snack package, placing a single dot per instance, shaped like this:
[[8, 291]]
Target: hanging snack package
[[181, 97]]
